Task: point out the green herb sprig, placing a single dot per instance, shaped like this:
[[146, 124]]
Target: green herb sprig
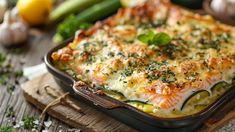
[[150, 38], [28, 122], [8, 73]]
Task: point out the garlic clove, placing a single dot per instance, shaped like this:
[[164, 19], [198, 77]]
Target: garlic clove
[[20, 32], [12, 31], [6, 35], [224, 7]]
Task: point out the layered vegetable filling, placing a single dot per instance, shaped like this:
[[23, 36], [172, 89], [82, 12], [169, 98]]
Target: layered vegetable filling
[[156, 57]]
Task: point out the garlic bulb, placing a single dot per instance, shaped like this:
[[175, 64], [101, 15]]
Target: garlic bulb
[[12, 32], [224, 7]]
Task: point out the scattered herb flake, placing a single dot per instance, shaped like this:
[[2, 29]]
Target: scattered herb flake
[[28, 122], [18, 73], [9, 112], [10, 88], [7, 128], [2, 58], [127, 72]]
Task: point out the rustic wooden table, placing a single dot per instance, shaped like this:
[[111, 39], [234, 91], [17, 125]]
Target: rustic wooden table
[[30, 54]]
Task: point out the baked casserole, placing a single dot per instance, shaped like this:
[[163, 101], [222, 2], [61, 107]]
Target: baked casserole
[[157, 57]]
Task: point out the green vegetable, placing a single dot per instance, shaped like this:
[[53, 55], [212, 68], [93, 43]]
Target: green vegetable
[[135, 102], [71, 7], [99, 11], [114, 94], [194, 98], [68, 28], [159, 39], [220, 87], [141, 105]]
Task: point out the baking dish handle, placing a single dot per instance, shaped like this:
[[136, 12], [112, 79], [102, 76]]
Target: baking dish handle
[[95, 96]]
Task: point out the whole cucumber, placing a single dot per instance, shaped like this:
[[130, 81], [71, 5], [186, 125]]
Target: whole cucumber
[[99, 11], [71, 7]]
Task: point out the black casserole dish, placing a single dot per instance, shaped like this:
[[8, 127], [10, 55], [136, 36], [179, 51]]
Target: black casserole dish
[[155, 66]]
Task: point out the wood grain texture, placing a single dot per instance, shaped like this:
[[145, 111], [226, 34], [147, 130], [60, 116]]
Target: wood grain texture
[[94, 120], [89, 120], [38, 44]]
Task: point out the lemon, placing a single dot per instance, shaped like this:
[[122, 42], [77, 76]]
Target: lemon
[[34, 12], [131, 3]]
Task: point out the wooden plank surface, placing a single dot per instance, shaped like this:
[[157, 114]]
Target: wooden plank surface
[[38, 45], [89, 120], [92, 120]]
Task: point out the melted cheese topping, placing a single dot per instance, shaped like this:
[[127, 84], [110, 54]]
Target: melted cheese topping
[[109, 55]]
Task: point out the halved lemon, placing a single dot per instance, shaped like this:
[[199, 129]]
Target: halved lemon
[[34, 12]]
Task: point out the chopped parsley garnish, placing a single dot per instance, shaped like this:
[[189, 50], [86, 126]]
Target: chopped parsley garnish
[[111, 54], [153, 66], [87, 71], [159, 39], [192, 77], [169, 50], [121, 54], [225, 37], [168, 76], [127, 72], [152, 76], [158, 23], [207, 43]]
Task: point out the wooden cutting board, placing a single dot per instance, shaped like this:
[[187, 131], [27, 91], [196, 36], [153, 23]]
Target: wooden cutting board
[[90, 119]]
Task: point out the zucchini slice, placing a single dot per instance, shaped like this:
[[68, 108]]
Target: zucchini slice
[[219, 88], [194, 98], [135, 102], [141, 105], [114, 94]]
